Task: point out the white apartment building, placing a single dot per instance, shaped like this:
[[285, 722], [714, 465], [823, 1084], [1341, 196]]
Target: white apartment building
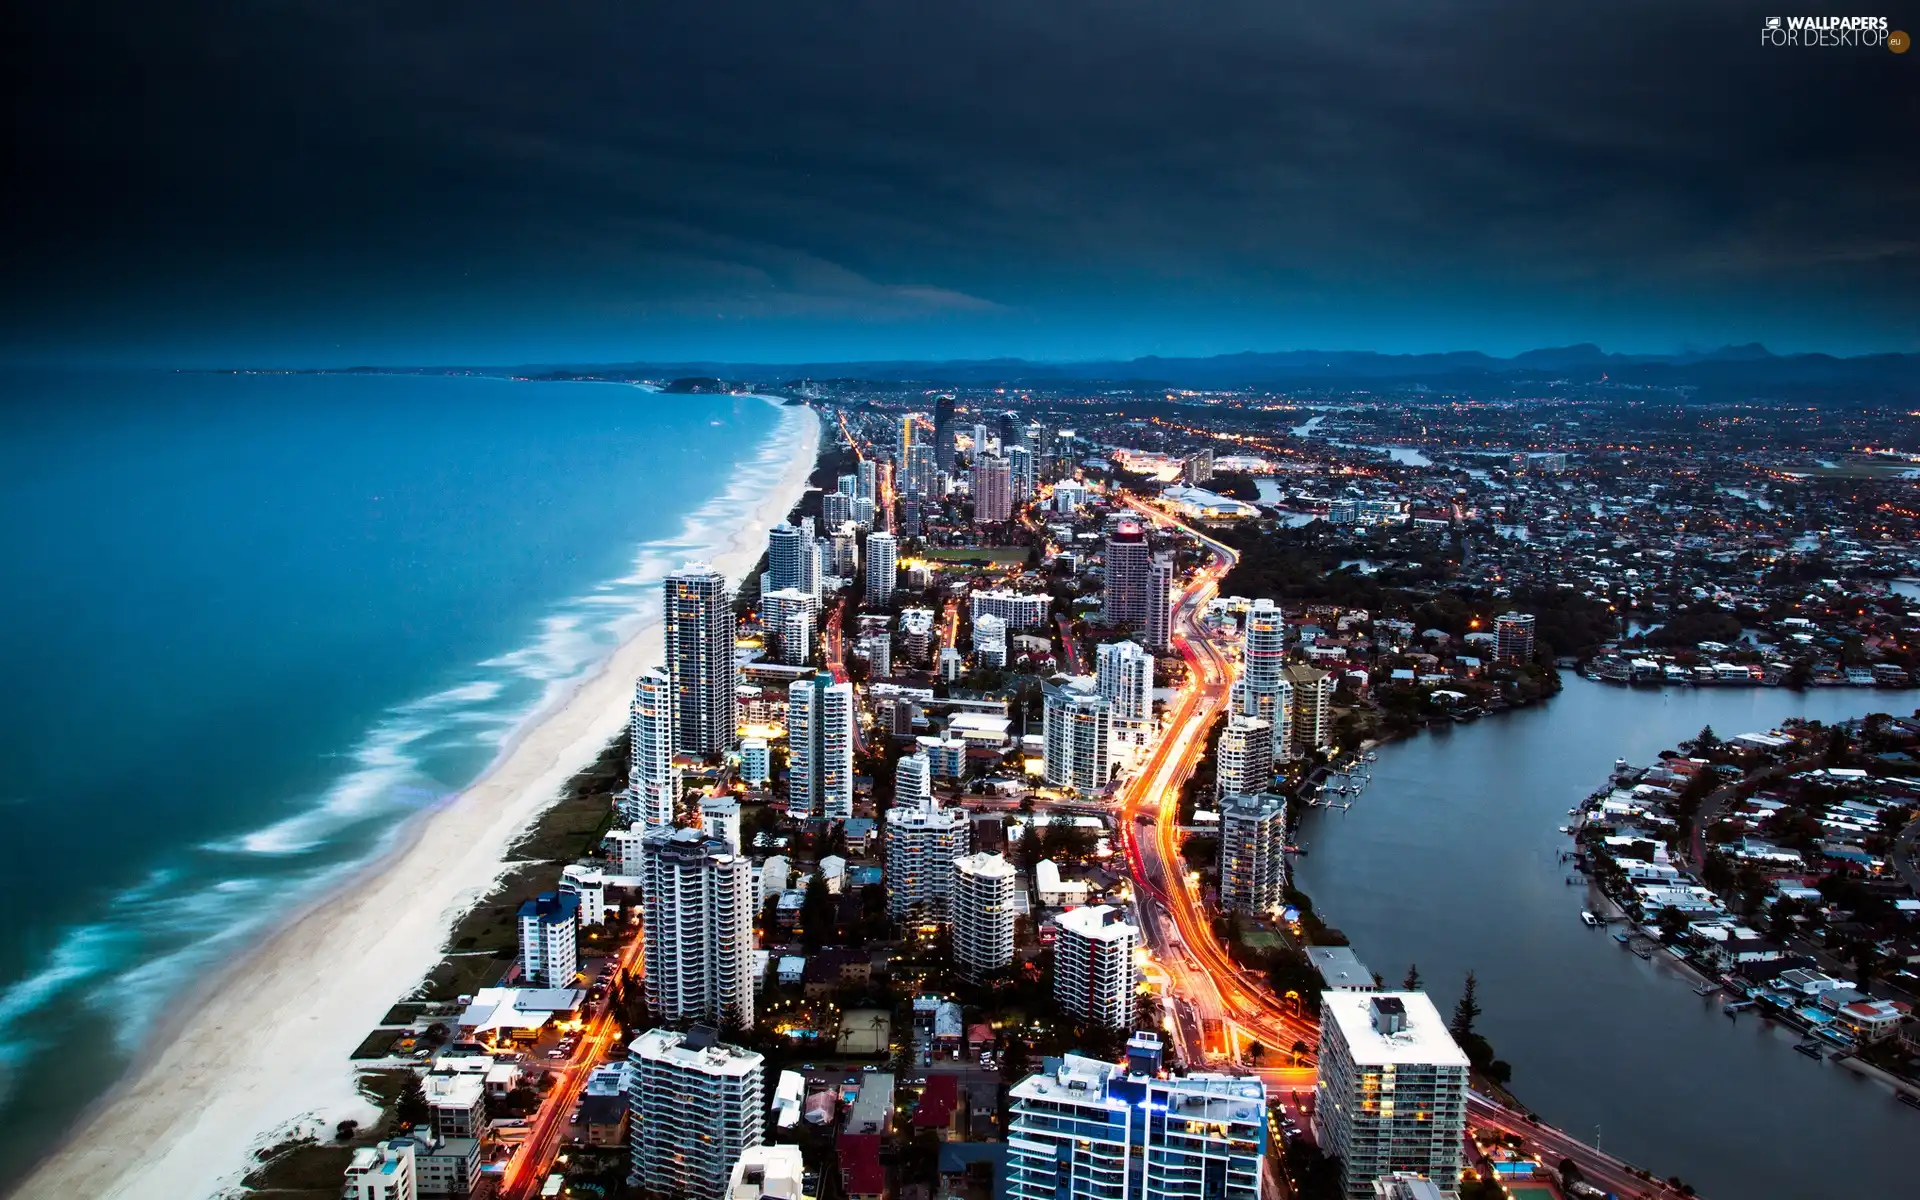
[[1262, 690], [699, 648], [820, 748], [1243, 758], [982, 912], [912, 781], [1094, 976], [1093, 1131], [456, 1104], [697, 1107], [549, 944], [1392, 1090], [990, 641], [1513, 636], [383, 1172], [587, 884], [1253, 859], [1020, 610], [916, 634], [787, 618], [883, 553], [1079, 736], [699, 906], [653, 782], [625, 847], [720, 818], [1124, 675], [923, 840], [768, 1173], [756, 762], [878, 647]]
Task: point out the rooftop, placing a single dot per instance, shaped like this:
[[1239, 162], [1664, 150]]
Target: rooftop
[[1424, 1040]]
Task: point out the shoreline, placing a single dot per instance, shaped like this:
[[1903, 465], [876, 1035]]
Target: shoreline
[[261, 1050]]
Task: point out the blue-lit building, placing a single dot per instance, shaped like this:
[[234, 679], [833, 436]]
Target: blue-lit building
[[1100, 1131]]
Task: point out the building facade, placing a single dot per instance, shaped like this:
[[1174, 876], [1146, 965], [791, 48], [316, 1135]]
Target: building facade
[[1312, 725], [1159, 625], [1078, 736], [923, 841], [699, 906], [1094, 976], [982, 914], [883, 553], [1392, 1090], [1253, 858], [699, 643], [549, 939], [1128, 567], [1513, 636], [820, 748], [697, 1106], [1093, 1130], [1019, 610], [1243, 758], [653, 782]]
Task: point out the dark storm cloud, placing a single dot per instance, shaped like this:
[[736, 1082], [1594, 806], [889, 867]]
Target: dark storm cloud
[[1010, 167]]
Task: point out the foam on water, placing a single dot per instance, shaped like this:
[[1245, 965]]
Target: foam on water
[[183, 919]]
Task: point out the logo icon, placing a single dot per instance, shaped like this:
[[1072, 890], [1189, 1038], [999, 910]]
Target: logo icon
[[1773, 23], [1898, 41]]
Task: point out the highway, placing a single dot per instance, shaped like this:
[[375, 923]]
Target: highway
[[1205, 985]]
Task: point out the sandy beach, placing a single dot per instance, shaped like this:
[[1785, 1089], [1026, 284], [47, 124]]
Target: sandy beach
[[265, 1053]]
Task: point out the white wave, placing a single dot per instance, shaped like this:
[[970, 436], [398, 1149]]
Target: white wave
[[477, 692], [384, 765]]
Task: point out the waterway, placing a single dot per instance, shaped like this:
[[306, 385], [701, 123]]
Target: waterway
[[1450, 860]]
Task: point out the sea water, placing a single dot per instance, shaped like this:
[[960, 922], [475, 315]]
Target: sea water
[[253, 622]]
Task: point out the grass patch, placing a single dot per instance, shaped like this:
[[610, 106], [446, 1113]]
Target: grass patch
[[1261, 939], [378, 1044], [403, 1013]]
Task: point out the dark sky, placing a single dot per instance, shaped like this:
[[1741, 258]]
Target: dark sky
[[503, 181]]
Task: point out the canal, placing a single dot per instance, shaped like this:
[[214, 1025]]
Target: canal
[[1450, 859]]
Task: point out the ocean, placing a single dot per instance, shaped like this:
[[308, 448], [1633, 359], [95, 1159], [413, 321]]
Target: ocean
[[256, 621]]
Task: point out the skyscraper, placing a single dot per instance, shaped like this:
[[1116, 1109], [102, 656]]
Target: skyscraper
[[943, 434], [989, 641], [882, 552], [1159, 626], [820, 748], [912, 781], [982, 913], [697, 1104], [1392, 1090], [1253, 859], [1079, 736], [1127, 572], [1094, 976], [787, 547], [1020, 471], [1262, 690], [1093, 1130], [1312, 691], [653, 782], [869, 474], [992, 490], [1513, 636], [699, 908], [1125, 675], [1243, 760], [923, 840], [699, 642]]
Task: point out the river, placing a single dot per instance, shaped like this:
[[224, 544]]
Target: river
[[1451, 859]]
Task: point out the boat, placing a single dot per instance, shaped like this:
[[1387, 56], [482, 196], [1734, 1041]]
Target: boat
[[1706, 989], [1809, 1049], [1622, 936], [1589, 918], [1642, 951], [1910, 1100], [1568, 829], [1736, 1007]]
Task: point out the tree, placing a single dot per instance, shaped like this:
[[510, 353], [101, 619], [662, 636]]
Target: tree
[[1673, 923], [816, 913], [1412, 982], [1466, 1012], [410, 1108], [1706, 741]]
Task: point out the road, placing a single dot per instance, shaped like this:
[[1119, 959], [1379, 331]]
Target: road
[[1205, 983], [1173, 918], [530, 1164], [1903, 856]]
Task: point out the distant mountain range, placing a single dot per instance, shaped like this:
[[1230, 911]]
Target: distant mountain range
[[1749, 371]]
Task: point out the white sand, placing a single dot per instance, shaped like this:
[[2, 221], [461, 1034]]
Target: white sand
[[267, 1051]]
